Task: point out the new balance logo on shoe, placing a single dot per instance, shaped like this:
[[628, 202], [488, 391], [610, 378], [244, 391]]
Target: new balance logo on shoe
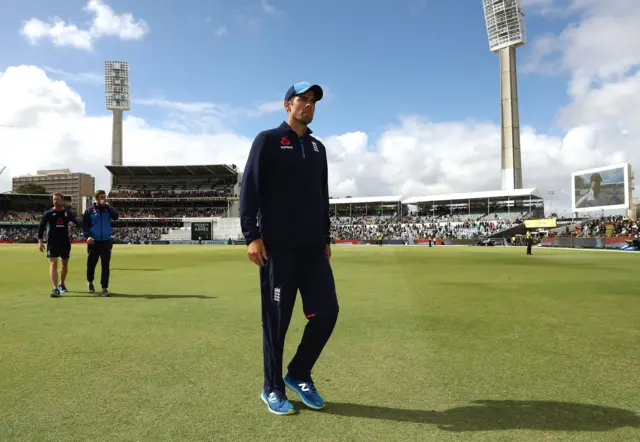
[[304, 387]]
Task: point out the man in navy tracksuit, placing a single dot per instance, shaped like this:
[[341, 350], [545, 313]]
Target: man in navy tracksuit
[[58, 220], [285, 185], [97, 230]]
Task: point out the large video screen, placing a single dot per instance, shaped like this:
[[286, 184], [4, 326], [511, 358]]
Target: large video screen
[[603, 188]]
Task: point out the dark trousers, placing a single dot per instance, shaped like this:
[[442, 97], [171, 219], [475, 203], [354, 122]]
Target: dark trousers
[[284, 274], [99, 250], [529, 244]]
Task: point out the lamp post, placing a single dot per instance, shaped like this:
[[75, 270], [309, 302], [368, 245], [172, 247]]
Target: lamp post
[[506, 31], [117, 98]]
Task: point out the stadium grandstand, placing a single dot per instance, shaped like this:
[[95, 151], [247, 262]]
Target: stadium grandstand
[[472, 216], [200, 203], [187, 203], [20, 215], [162, 202]]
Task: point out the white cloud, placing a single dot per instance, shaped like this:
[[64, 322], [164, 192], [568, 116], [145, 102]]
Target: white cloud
[[189, 107], [265, 108], [414, 157], [267, 7], [602, 47], [108, 23], [221, 31], [60, 33], [207, 116], [76, 77], [105, 23], [545, 7], [49, 128]]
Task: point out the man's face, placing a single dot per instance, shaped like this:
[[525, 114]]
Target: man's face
[[102, 199], [302, 107], [57, 200]]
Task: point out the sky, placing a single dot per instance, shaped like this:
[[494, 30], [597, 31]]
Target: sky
[[412, 98]]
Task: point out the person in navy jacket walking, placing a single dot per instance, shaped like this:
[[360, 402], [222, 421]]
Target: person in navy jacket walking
[[58, 220], [97, 229], [284, 214]]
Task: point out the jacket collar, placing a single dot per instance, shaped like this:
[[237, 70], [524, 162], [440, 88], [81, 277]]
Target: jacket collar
[[286, 126]]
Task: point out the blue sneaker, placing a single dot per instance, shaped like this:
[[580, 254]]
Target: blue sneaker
[[307, 392], [62, 288], [277, 403]]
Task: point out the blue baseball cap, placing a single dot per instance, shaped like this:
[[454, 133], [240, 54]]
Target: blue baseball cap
[[301, 88]]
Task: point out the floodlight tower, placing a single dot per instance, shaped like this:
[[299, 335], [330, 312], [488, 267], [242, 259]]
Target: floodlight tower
[[116, 82], [506, 31]]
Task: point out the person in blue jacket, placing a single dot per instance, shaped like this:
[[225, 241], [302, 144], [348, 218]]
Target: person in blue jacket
[[284, 215], [97, 229]]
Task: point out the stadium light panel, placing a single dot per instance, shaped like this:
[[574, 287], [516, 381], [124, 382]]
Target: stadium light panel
[[505, 23], [116, 83]]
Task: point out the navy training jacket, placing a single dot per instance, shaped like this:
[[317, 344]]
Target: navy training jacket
[[58, 223], [96, 222], [285, 193]]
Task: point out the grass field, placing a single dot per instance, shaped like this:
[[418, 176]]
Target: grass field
[[431, 344]]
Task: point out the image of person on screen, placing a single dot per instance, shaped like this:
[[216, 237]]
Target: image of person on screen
[[593, 197]]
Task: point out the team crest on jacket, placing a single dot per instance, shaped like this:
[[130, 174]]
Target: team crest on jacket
[[285, 143]]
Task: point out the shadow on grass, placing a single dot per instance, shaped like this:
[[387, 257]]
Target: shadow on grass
[[137, 270], [139, 296], [125, 295], [489, 415]]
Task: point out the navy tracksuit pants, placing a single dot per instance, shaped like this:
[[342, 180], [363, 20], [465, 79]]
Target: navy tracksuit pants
[[99, 250], [284, 274]]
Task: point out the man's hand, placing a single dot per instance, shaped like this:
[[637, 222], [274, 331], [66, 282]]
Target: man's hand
[[328, 250], [41, 246], [90, 240], [257, 252]]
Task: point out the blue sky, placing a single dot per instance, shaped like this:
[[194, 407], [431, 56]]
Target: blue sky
[[422, 57], [412, 104]]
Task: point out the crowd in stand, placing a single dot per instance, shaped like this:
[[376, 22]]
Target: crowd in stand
[[137, 234], [174, 212], [20, 216], [211, 192], [124, 234], [362, 227], [18, 234], [416, 226], [620, 226]]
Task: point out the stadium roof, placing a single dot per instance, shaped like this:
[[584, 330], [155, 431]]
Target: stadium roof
[[40, 198], [515, 193], [366, 200], [197, 170]]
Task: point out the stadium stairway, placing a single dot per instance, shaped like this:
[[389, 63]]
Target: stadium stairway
[[509, 233], [225, 228], [181, 234]]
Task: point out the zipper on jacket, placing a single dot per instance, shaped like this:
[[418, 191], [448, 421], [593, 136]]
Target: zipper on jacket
[[302, 145]]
